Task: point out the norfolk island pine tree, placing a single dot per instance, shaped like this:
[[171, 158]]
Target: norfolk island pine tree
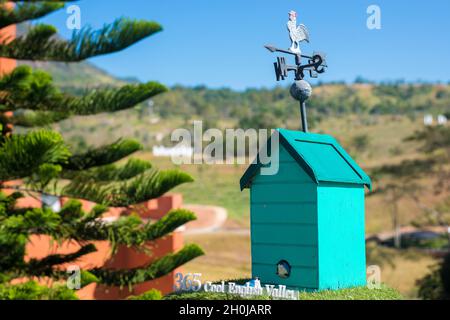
[[39, 160]]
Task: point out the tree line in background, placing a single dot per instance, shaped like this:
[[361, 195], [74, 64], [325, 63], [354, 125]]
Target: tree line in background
[[271, 108], [35, 162], [263, 109]]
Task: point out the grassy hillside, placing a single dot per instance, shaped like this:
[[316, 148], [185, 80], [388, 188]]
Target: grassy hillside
[[76, 76], [180, 106], [335, 108], [327, 100]]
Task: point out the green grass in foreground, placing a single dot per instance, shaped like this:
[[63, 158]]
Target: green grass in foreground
[[361, 293]]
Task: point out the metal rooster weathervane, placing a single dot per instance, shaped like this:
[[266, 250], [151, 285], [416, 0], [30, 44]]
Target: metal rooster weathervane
[[300, 90]]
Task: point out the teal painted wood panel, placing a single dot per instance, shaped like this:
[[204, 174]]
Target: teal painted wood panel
[[287, 172], [323, 154], [284, 156], [284, 193], [297, 256], [327, 161], [284, 225], [277, 213], [341, 236], [284, 234], [301, 278]]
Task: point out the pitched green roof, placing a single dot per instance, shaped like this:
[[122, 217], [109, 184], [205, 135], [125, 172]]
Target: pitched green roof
[[320, 156]]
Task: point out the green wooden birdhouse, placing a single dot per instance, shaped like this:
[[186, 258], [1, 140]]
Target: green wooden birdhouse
[[307, 220]]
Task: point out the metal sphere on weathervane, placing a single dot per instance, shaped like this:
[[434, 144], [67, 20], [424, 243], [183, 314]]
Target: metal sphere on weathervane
[[301, 90]]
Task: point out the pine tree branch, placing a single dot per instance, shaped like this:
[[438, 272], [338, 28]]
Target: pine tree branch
[[125, 277], [31, 290], [72, 223], [149, 185], [109, 173], [36, 221], [169, 223], [8, 203], [130, 230], [111, 100], [153, 271], [45, 266], [21, 155], [127, 231], [36, 101], [32, 119], [71, 213], [25, 89], [41, 43], [41, 107], [12, 251], [102, 156], [27, 11]]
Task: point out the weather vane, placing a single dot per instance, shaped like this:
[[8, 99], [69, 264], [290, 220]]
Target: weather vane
[[301, 90]]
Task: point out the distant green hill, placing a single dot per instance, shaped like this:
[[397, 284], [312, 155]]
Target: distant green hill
[[264, 108], [76, 75], [252, 108]]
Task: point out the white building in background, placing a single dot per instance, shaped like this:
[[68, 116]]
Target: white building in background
[[161, 151], [442, 120], [428, 120]]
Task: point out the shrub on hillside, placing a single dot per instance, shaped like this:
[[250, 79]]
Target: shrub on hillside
[[436, 285]]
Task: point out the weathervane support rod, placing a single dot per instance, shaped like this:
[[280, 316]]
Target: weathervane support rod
[[304, 117]]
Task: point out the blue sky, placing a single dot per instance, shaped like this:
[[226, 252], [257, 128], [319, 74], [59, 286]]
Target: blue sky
[[219, 43]]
